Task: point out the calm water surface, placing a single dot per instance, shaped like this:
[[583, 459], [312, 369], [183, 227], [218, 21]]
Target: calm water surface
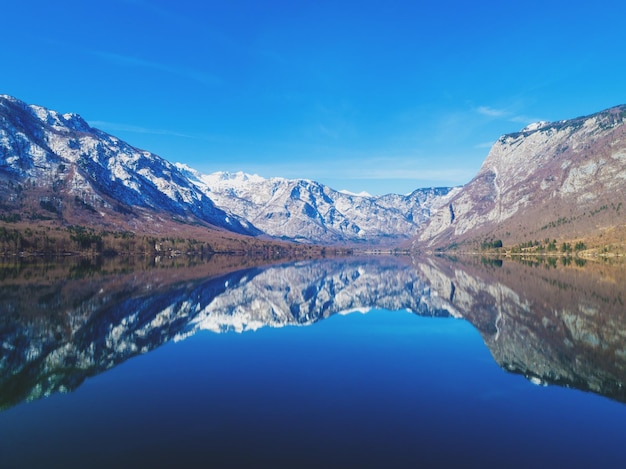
[[336, 363]]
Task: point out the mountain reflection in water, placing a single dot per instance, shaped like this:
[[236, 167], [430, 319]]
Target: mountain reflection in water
[[553, 323], [562, 325]]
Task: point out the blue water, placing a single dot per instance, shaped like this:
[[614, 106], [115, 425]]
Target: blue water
[[384, 389]]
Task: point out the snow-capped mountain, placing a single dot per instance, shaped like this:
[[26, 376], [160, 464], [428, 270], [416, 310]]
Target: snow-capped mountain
[[68, 170], [55, 166], [304, 210]]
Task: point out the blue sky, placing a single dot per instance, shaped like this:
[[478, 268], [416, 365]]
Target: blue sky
[[377, 96]]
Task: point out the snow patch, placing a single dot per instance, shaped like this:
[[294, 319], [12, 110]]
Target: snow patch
[[360, 194], [535, 126], [355, 310]]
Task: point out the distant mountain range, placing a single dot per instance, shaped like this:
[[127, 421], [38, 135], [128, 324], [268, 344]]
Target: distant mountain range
[[564, 180], [55, 166], [307, 211]]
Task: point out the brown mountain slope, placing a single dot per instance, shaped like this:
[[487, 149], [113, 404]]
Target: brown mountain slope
[[564, 180]]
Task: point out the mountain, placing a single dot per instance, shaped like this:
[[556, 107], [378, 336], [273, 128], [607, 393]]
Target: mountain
[[307, 211], [55, 166], [564, 180]]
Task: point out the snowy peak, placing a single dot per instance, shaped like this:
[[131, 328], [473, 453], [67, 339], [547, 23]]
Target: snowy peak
[[360, 194], [237, 177], [535, 126], [307, 211], [62, 122]]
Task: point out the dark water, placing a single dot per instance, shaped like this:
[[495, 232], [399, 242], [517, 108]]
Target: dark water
[[337, 363]]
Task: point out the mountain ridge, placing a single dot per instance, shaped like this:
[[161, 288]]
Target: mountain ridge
[[79, 172], [302, 209], [56, 167], [564, 179]]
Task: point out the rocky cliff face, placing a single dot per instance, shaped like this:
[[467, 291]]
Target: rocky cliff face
[[563, 180]]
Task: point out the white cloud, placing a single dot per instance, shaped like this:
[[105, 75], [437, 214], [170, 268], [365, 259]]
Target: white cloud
[[119, 127], [365, 169], [521, 119], [491, 112], [442, 174], [505, 114], [113, 127]]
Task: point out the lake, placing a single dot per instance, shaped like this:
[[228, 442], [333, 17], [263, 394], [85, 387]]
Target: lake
[[358, 362]]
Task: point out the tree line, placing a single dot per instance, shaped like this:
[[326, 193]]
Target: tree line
[[84, 240]]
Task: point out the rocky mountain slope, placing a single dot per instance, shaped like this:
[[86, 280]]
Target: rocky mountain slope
[[562, 180], [303, 210], [56, 167]]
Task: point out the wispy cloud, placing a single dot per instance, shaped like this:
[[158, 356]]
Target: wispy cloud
[[369, 168], [131, 61], [522, 119], [328, 132], [438, 174], [491, 112], [508, 114], [119, 127], [137, 129]]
